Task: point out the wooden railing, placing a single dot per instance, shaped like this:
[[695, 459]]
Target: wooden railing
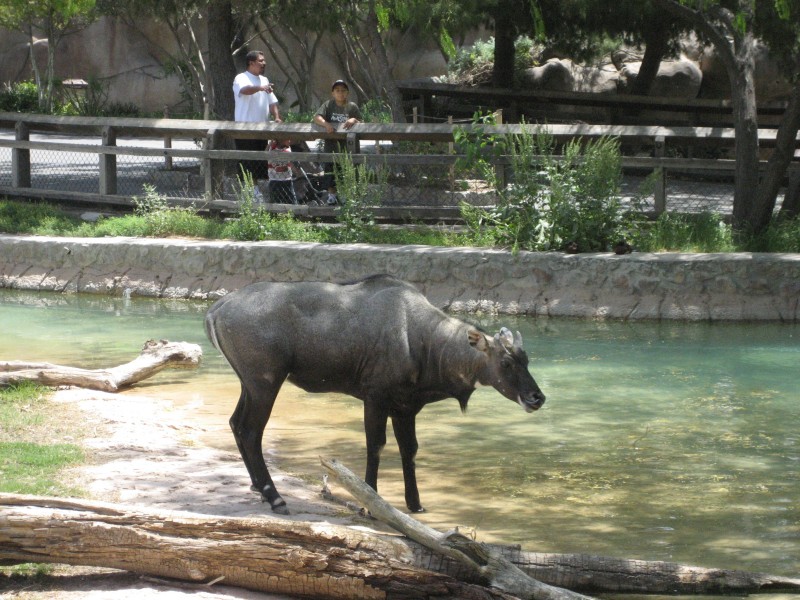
[[214, 149]]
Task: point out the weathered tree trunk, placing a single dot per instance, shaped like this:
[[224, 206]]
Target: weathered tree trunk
[[504, 35], [155, 357], [656, 42], [736, 50], [314, 559], [785, 143], [220, 32]]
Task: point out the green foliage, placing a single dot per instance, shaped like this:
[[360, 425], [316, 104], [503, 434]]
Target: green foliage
[[376, 110], [477, 149], [474, 64], [158, 219], [552, 199], [35, 217], [19, 97], [256, 224], [781, 235], [359, 189], [704, 232]]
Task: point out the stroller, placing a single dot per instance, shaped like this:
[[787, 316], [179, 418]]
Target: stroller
[[309, 189]]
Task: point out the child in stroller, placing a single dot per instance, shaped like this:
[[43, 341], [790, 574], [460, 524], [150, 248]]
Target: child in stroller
[[309, 188], [281, 174]]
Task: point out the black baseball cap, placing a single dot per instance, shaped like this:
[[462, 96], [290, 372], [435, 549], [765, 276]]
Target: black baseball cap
[[340, 82]]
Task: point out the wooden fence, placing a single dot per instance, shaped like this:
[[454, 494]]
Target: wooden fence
[[664, 150]]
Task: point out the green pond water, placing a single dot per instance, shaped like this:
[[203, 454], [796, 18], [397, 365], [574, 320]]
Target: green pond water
[[658, 441]]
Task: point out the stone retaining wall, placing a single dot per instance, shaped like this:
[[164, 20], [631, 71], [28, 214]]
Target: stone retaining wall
[[740, 286]]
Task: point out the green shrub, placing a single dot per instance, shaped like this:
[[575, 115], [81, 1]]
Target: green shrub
[[782, 235], [359, 189], [35, 217], [256, 224], [704, 232], [473, 65], [19, 97], [554, 200]]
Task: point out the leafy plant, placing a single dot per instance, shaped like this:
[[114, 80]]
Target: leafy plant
[[256, 224], [158, 218], [552, 199], [19, 97], [359, 189], [704, 232]]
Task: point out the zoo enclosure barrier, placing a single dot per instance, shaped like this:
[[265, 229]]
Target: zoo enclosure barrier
[[109, 161]]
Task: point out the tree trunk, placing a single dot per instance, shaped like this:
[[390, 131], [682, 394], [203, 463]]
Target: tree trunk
[[317, 560], [384, 69], [779, 161], [220, 33], [656, 46], [743, 98], [155, 357], [736, 50], [268, 554], [504, 33]]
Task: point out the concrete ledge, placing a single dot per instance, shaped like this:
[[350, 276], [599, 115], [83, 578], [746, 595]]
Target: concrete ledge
[[714, 287]]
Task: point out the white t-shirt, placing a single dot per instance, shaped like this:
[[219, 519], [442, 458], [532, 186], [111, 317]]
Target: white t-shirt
[[253, 108]]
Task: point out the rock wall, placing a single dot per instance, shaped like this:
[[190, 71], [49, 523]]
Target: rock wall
[[717, 287]]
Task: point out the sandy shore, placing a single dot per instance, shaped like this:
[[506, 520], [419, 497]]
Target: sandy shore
[[144, 451]]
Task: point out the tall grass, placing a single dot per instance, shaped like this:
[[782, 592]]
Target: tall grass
[[670, 232]]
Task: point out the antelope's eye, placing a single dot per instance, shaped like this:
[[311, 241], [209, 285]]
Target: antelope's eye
[[505, 363]]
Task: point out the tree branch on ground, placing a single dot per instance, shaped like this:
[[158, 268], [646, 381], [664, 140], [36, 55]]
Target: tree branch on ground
[[154, 358]]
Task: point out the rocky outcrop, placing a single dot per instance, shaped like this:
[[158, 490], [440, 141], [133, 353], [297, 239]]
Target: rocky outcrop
[[675, 79], [716, 287]]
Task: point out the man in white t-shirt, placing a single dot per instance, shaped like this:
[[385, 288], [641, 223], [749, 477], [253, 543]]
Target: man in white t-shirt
[[254, 102]]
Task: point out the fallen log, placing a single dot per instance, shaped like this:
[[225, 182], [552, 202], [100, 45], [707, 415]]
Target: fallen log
[[326, 561], [450, 552], [267, 554], [154, 358]]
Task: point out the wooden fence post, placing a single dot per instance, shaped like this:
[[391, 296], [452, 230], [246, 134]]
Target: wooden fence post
[[108, 164], [353, 144], [21, 158]]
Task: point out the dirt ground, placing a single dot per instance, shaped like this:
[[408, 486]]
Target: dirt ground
[[145, 452]]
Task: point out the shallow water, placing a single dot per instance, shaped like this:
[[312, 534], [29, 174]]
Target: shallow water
[[659, 441]]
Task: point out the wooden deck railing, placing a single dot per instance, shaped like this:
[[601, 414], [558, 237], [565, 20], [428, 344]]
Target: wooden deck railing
[[101, 137]]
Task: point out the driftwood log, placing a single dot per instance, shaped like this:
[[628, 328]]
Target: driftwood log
[[268, 554], [154, 357], [319, 560]]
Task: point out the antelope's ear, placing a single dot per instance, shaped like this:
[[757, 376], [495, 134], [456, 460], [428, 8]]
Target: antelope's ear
[[478, 340]]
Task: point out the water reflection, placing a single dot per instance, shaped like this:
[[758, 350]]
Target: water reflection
[[660, 441]]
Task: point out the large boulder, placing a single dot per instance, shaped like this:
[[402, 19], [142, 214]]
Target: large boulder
[[680, 78], [771, 83], [554, 75]]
